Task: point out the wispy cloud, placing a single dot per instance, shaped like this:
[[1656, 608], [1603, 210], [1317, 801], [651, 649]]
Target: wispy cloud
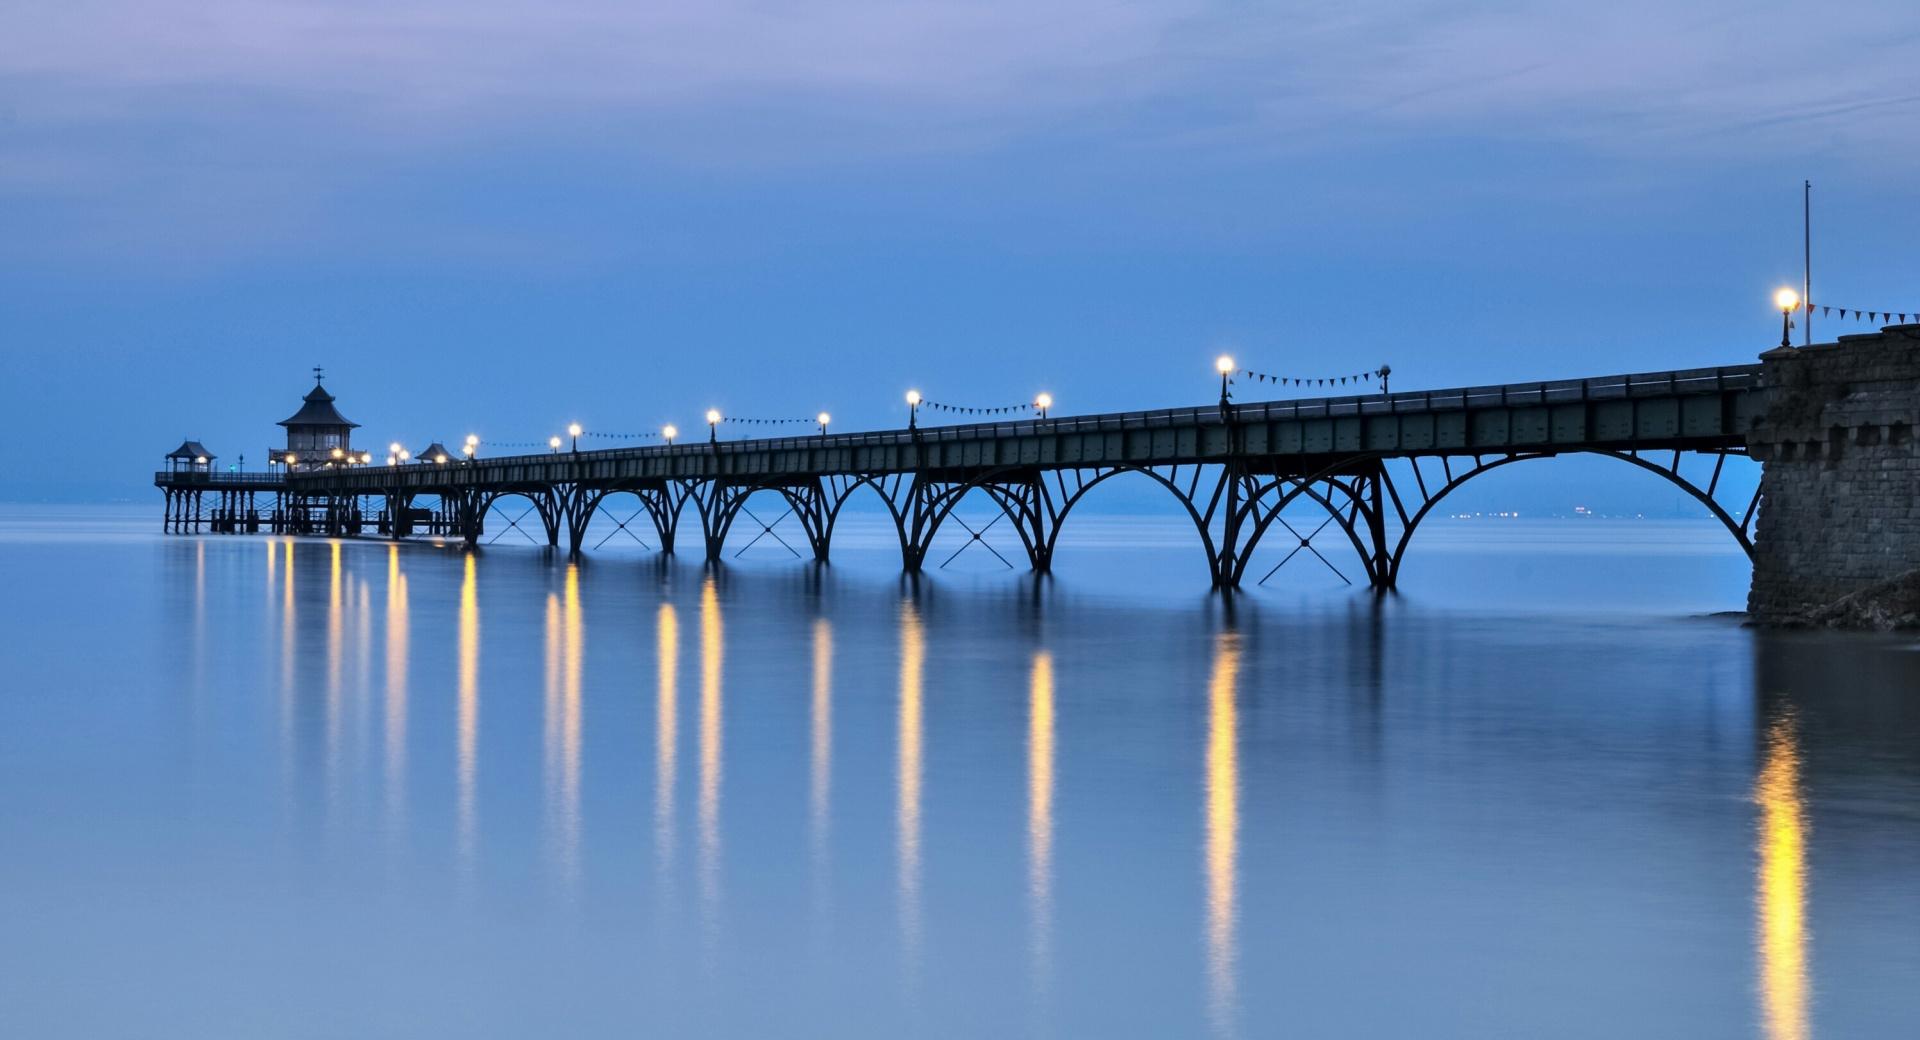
[[262, 107]]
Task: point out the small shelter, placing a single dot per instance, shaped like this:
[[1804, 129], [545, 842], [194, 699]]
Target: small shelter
[[436, 453], [190, 457], [317, 434]]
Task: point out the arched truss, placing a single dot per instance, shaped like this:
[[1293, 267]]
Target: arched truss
[[1375, 503], [662, 501], [1379, 508], [547, 502], [1667, 467]]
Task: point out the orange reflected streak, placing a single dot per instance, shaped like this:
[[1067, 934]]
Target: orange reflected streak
[[912, 664], [822, 719], [467, 723], [1040, 813], [711, 636], [336, 666], [396, 761], [666, 732], [1781, 881], [573, 662], [1223, 831]]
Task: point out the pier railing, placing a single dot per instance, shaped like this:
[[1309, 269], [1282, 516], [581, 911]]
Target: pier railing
[[1565, 391], [195, 478]]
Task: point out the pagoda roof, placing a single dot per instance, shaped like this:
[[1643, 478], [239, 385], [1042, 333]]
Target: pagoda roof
[[191, 450], [436, 450], [318, 410]]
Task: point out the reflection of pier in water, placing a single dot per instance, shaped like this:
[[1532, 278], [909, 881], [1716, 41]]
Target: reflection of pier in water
[[1810, 744]]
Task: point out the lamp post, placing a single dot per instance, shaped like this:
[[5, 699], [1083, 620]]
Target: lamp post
[[553, 445], [669, 432], [405, 454], [472, 448], [823, 419], [1786, 299], [1043, 402], [338, 455], [468, 449], [394, 454], [713, 426], [1224, 365], [1386, 371], [913, 409], [573, 430]]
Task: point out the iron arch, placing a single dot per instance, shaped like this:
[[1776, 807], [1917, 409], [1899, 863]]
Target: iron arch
[[1671, 473]]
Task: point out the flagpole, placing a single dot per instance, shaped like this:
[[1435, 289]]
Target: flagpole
[[1806, 258]]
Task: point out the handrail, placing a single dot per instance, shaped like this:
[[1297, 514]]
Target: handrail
[[1614, 387], [165, 476]]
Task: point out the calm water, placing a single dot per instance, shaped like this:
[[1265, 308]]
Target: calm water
[[261, 787]]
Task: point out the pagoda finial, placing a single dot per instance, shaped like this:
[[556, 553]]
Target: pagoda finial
[[318, 375]]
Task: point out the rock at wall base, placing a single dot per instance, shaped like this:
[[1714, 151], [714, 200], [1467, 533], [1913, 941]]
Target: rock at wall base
[[1891, 605]]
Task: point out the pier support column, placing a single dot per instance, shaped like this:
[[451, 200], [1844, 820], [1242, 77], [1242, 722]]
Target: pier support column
[[1840, 480]]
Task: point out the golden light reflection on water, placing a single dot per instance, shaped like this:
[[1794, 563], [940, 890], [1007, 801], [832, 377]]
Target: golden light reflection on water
[[821, 788], [666, 740], [287, 764], [396, 715], [1781, 887], [1040, 814], [912, 665], [711, 653], [574, 661], [336, 666], [1223, 832], [565, 646], [467, 724]]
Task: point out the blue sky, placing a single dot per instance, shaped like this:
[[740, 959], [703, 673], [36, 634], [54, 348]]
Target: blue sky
[[501, 216]]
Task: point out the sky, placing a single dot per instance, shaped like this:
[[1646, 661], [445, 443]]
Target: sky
[[499, 216]]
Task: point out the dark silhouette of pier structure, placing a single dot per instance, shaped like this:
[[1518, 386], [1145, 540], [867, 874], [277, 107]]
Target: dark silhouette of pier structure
[[1376, 466]]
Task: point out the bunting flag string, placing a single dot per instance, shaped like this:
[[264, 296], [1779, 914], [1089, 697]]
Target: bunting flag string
[[766, 422], [620, 436], [958, 409], [1357, 377], [1829, 310]]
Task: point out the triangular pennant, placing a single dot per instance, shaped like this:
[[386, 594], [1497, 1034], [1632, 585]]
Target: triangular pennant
[[1873, 315]]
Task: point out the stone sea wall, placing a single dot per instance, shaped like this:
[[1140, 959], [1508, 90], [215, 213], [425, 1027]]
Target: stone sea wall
[[1840, 508]]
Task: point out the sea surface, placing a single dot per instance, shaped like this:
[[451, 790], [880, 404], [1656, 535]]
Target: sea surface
[[254, 786]]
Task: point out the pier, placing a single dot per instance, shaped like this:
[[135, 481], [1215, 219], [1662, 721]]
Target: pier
[[1376, 465]]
